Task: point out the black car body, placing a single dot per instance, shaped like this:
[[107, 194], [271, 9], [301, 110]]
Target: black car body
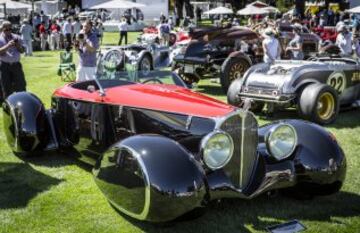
[[171, 150]]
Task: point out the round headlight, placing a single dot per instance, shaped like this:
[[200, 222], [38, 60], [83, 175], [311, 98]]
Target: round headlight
[[217, 148], [281, 141]]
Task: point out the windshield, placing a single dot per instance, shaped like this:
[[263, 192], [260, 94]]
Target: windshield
[[145, 77]]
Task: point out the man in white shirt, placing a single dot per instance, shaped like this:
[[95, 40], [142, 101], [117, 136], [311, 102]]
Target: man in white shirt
[[26, 35], [271, 46], [123, 28], [67, 30], [344, 41], [76, 27]]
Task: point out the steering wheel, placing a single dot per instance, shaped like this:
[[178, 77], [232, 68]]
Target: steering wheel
[[155, 80]]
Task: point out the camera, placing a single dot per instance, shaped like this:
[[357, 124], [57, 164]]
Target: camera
[[81, 36]]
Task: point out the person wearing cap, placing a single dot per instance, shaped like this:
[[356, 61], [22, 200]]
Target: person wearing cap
[[271, 46], [296, 44], [344, 41], [86, 44], [12, 77], [26, 32]]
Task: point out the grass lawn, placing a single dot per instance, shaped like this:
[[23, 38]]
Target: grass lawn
[[55, 193]]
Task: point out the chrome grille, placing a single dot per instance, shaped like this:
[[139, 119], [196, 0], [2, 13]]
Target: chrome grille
[[242, 127], [260, 91]]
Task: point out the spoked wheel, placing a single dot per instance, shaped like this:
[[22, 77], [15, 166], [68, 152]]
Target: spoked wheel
[[233, 68], [113, 60], [172, 39], [319, 103], [189, 79], [145, 64]]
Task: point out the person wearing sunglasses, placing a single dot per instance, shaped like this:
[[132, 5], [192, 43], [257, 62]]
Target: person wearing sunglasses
[[12, 77]]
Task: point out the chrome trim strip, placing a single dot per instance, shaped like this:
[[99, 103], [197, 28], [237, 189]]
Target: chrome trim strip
[[242, 151], [188, 122]]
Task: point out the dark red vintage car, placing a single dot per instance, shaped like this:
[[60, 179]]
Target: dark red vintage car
[[230, 51], [160, 150]]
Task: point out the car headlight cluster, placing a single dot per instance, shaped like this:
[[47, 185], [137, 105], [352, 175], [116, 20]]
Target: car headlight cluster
[[281, 141], [217, 149]]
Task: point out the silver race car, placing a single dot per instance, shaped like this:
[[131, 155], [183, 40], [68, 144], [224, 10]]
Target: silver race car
[[141, 56], [317, 87]]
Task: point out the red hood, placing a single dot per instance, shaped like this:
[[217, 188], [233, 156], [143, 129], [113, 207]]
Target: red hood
[[168, 98]]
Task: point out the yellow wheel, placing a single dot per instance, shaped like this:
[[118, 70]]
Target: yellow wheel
[[326, 106], [319, 103]]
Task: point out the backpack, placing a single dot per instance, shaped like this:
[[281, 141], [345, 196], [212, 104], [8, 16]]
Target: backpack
[[164, 28]]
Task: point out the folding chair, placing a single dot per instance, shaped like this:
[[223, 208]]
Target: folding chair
[[67, 70]]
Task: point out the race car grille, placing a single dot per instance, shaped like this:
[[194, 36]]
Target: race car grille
[[261, 91], [242, 127]]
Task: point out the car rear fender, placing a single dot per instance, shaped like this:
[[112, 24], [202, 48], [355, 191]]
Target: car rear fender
[[239, 54], [26, 123], [152, 178]]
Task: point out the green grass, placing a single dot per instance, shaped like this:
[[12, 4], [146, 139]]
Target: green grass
[[55, 193]]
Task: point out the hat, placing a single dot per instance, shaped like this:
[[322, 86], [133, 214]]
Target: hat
[[341, 28], [268, 32]]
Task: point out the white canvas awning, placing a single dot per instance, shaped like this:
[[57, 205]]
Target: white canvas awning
[[258, 4], [219, 11], [271, 9], [15, 8], [252, 10], [118, 4], [15, 5], [355, 10]]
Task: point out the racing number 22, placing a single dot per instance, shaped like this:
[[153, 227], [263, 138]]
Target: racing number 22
[[337, 81]]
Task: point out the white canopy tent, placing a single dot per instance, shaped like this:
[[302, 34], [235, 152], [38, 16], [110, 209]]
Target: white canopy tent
[[271, 9], [219, 11], [258, 4], [355, 10], [118, 4], [15, 8], [252, 10]]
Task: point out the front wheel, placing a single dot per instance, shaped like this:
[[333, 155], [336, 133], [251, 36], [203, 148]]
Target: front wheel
[[319, 103], [233, 68], [145, 64], [189, 79]]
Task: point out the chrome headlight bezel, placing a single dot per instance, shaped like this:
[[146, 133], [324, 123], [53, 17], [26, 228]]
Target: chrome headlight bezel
[[269, 137], [204, 144]]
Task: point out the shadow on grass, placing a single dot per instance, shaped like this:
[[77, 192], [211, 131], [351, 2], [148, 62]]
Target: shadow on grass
[[19, 183], [236, 215], [43, 55], [57, 159], [346, 119], [214, 90]]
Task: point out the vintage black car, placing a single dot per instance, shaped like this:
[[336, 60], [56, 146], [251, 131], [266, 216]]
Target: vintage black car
[[225, 51], [230, 51], [160, 150], [317, 88]]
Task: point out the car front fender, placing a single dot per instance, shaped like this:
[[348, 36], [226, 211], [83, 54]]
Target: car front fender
[[318, 159], [152, 178]]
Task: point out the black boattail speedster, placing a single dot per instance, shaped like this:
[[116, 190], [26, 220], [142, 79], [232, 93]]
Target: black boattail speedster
[[160, 150]]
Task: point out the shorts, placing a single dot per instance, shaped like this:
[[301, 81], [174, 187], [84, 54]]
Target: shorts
[[85, 73]]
